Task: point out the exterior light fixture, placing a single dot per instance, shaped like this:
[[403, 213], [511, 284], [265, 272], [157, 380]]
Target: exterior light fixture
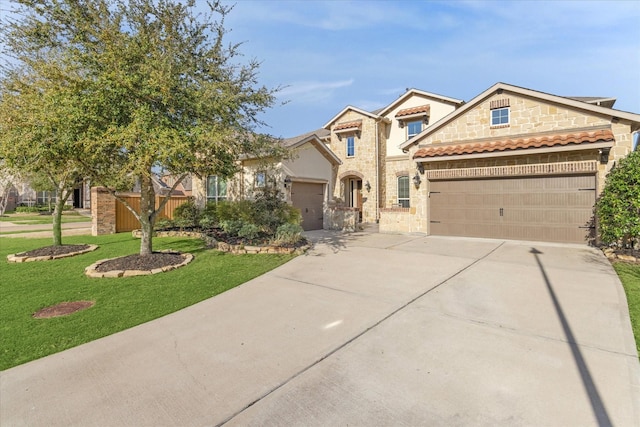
[[417, 180], [604, 155], [287, 181], [367, 186]]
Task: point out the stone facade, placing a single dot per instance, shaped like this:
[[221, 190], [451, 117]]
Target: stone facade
[[529, 116], [378, 159]]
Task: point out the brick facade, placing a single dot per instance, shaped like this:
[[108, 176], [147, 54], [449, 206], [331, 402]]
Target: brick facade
[[103, 212]]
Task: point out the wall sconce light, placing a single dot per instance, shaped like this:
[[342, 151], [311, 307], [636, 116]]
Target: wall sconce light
[[421, 168], [417, 180], [367, 186], [287, 181], [604, 155]]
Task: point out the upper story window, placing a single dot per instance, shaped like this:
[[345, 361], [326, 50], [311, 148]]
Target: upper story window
[[216, 189], [500, 112], [261, 180], [351, 146], [414, 128], [500, 117], [403, 191]]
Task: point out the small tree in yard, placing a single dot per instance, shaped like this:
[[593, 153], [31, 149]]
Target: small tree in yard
[[155, 89], [36, 136], [618, 208], [7, 179]]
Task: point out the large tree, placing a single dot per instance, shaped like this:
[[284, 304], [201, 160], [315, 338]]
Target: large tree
[[158, 90]]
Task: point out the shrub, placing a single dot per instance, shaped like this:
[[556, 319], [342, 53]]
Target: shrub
[[187, 215], [234, 211], [288, 234], [618, 208], [29, 209], [163, 224], [270, 211], [249, 231], [232, 227]]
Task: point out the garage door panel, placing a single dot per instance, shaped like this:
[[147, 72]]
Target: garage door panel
[[530, 208], [309, 199]]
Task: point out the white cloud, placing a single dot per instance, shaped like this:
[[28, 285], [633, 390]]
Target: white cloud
[[312, 91]]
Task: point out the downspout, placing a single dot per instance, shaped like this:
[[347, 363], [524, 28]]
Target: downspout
[[377, 173]]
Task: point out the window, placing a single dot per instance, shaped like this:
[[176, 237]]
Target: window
[[261, 180], [403, 191], [500, 116], [414, 128], [351, 146], [216, 189], [45, 197]]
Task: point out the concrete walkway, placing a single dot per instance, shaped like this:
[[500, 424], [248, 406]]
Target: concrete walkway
[[38, 231], [366, 329]]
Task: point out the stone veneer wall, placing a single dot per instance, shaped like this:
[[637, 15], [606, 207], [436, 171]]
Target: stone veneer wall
[[340, 218], [527, 117], [103, 212], [363, 162], [395, 167]]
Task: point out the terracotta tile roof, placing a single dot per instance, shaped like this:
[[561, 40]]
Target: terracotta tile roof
[[348, 125], [414, 110], [514, 144]]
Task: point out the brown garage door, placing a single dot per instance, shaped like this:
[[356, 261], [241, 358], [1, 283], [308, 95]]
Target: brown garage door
[[309, 199], [554, 209]]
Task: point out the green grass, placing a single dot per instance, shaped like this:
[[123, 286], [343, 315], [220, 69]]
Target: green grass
[[630, 277], [119, 303], [29, 218]]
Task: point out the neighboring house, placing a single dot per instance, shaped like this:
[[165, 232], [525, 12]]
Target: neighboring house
[[305, 179], [515, 163], [24, 195]]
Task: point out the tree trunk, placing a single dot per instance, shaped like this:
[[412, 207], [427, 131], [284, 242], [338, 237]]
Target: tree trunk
[[57, 215], [147, 214]]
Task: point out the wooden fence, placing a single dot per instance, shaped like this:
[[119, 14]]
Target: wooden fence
[[125, 221]]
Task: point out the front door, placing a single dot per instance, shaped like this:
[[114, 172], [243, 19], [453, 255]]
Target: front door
[[354, 195]]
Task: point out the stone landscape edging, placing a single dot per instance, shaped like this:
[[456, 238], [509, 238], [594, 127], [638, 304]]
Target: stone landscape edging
[[91, 271], [227, 247], [613, 256], [26, 258]]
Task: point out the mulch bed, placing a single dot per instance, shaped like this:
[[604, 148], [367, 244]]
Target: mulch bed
[[62, 309], [54, 250], [141, 262]]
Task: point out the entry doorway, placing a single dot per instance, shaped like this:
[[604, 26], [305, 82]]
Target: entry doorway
[[353, 195]]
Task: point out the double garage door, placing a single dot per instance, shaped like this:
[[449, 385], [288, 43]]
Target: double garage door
[[546, 208], [308, 198]]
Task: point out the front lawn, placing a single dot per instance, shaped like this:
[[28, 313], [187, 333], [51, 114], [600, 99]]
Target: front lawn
[[33, 218], [630, 277], [119, 303]]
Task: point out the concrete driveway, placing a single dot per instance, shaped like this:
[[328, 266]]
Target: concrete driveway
[[366, 329]]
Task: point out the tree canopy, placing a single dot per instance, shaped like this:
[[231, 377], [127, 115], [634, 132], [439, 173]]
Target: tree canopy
[[149, 86]]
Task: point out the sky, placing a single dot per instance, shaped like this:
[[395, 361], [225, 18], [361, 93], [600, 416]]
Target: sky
[[325, 55]]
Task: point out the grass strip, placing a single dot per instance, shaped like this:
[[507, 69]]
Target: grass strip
[[630, 277], [119, 303]]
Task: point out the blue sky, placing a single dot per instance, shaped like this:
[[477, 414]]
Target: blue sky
[[330, 54]]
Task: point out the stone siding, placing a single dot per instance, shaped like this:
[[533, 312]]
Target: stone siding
[[340, 218], [364, 161]]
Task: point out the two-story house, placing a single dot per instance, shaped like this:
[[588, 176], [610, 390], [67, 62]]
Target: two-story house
[[375, 173]]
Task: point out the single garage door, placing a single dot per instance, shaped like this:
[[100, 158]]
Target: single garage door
[[309, 198], [553, 209]]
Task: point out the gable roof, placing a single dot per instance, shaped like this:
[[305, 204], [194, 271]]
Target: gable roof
[[568, 102], [596, 100], [351, 108], [411, 92], [314, 138]]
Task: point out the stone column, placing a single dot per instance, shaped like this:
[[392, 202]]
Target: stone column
[[103, 212]]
